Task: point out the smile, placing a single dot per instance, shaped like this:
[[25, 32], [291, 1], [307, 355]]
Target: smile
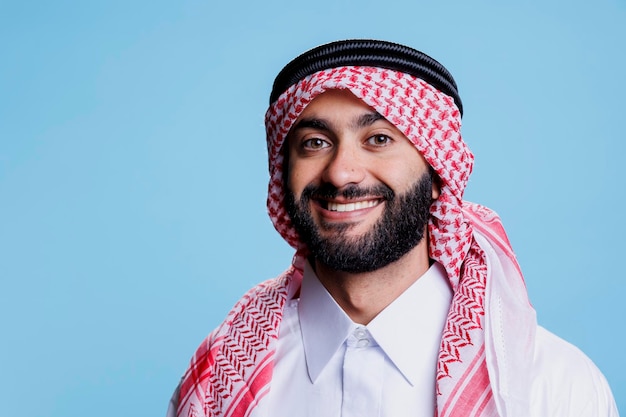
[[357, 205]]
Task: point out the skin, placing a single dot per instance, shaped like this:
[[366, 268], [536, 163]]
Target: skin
[[340, 140]]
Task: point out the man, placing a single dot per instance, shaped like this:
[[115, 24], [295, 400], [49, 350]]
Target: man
[[402, 299]]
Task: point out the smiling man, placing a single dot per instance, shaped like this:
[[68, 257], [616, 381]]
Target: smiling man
[[402, 299]]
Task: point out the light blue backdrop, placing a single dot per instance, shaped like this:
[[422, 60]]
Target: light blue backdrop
[[133, 173]]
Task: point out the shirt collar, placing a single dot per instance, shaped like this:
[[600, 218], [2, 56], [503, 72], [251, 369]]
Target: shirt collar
[[324, 324], [408, 330]]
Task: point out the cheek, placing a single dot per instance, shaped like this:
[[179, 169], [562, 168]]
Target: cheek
[[402, 177], [294, 184], [298, 177]]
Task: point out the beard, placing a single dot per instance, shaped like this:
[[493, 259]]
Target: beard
[[401, 227]]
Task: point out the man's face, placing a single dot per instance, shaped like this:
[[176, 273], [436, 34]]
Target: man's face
[[358, 192]]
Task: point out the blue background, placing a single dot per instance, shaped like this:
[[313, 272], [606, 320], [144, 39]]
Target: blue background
[[133, 173]]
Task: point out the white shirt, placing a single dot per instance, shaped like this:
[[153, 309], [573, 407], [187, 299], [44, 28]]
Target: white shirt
[[327, 365]]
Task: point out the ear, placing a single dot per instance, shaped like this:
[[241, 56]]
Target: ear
[[436, 192]]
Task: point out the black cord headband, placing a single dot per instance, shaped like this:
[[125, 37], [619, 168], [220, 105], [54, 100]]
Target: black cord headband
[[365, 52]]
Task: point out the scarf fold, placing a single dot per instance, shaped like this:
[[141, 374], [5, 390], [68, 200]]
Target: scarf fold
[[232, 369]]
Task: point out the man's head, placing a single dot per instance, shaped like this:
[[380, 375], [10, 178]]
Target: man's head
[[416, 98]]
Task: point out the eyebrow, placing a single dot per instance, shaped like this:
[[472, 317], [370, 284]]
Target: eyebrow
[[312, 123], [366, 120], [362, 121]]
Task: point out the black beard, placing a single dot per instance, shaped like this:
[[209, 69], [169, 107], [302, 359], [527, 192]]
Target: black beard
[[400, 229]]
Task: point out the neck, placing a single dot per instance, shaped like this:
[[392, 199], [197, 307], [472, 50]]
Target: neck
[[363, 295]]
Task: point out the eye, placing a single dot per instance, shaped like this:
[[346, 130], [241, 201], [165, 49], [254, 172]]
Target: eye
[[315, 143], [379, 140]]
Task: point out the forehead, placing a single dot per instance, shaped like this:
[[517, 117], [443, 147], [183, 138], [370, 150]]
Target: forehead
[[339, 107], [336, 98]]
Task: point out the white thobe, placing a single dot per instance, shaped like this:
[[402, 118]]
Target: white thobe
[[327, 365]]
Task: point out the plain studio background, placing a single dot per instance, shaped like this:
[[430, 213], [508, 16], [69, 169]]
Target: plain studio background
[[133, 174]]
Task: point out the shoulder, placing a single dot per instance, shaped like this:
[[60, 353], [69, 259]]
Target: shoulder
[[246, 335], [260, 306], [565, 382], [262, 302]]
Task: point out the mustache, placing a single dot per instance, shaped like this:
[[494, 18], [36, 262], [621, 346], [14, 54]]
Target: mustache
[[328, 191]]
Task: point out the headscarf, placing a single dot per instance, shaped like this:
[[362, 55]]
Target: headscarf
[[472, 358]]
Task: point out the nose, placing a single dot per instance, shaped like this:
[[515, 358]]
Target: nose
[[346, 166]]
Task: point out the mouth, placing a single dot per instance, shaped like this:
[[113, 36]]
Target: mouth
[[347, 207]]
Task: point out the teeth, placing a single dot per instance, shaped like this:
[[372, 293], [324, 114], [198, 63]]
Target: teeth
[[352, 206]]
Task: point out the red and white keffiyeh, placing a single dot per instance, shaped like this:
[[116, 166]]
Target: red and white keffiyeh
[[489, 333]]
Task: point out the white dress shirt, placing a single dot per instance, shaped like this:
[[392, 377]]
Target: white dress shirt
[[327, 365]]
